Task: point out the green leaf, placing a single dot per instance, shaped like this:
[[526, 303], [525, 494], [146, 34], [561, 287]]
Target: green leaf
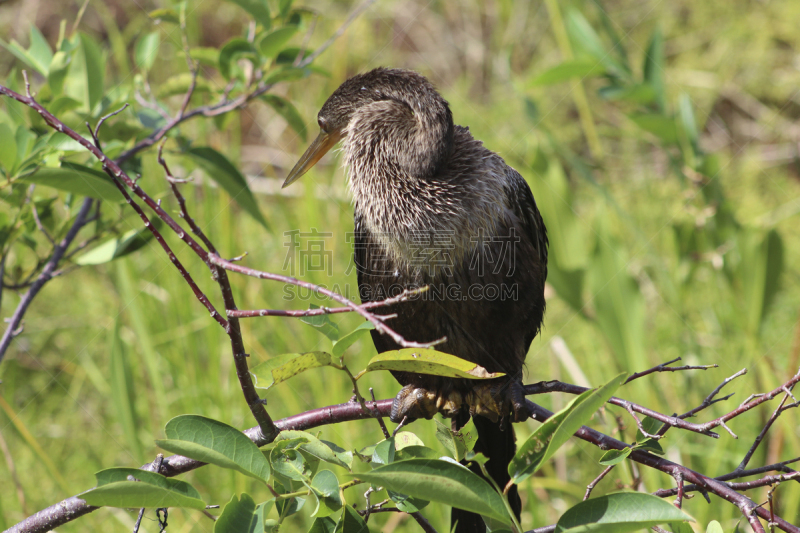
[[351, 338], [180, 83], [578, 68], [147, 50], [429, 361], [319, 449], [638, 93], [551, 435], [458, 443], [128, 243], [654, 67], [384, 452], [587, 42], [285, 109], [661, 126], [614, 457], [8, 148], [231, 51], [325, 487], [283, 367], [214, 442], [680, 527], [152, 490], [39, 50], [404, 439], [221, 170], [77, 179], [619, 513], [271, 43], [57, 73], [440, 481], [688, 123], [240, 516], [123, 391], [351, 522], [323, 323], [714, 527], [415, 452], [84, 81], [288, 463], [286, 73], [258, 9], [323, 525]]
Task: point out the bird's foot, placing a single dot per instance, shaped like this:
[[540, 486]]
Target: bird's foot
[[419, 402], [491, 399], [495, 399]]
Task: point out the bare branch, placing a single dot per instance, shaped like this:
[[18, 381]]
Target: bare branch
[[590, 487], [664, 367]]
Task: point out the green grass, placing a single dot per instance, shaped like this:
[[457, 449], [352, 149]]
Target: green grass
[[110, 354]]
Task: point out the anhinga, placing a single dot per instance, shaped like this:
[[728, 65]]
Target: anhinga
[[434, 207]]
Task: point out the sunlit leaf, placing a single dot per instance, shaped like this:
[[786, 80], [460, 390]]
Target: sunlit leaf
[[84, 81], [240, 515], [211, 441], [351, 338], [231, 51], [440, 481], [282, 367], [558, 429], [147, 50], [429, 361], [578, 68], [114, 489], [323, 324], [619, 513], [258, 9], [325, 487], [112, 249], [458, 443], [319, 449], [661, 126], [77, 179], [271, 43], [613, 457]]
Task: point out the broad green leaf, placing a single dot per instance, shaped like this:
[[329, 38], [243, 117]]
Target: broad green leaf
[[287, 507], [614, 457], [556, 430], [112, 249], [587, 42], [416, 452], [77, 179], [323, 323], [152, 490], [619, 513], [231, 51], [319, 449], [440, 481], [147, 50], [714, 527], [284, 108], [351, 338], [8, 148], [57, 73], [39, 50], [654, 67], [661, 126], [283, 367], [286, 73], [458, 443], [404, 439], [271, 43], [323, 525], [578, 68], [288, 463], [325, 487], [284, 6], [222, 171], [240, 516], [351, 522], [384, 452], [84, 81], [429, 361], [214, 442], [258, 9]]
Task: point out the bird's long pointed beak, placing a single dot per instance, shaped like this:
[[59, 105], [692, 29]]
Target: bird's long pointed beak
[[320, 147]]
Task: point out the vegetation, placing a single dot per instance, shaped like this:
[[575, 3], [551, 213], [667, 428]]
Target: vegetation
[[659, 141]]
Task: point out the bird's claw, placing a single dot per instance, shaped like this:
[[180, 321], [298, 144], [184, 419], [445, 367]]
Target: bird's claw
[[492, 399]]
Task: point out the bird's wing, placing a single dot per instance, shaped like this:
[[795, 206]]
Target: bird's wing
[[524, 206]]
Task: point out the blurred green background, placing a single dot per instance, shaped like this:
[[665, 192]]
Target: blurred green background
[[670, 187]]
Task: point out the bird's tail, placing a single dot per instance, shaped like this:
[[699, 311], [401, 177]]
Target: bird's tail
[[498, 445]]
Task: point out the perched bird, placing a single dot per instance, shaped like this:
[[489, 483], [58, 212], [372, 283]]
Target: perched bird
[[434, 207]]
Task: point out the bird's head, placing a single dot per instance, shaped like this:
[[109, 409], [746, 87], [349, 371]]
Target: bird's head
[[396, 112]]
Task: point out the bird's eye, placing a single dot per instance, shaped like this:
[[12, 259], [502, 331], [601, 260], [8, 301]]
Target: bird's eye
[[323, 124]]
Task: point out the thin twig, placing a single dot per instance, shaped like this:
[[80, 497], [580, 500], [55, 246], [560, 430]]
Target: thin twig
[[378, 416], [590, 487], [664, 367]]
